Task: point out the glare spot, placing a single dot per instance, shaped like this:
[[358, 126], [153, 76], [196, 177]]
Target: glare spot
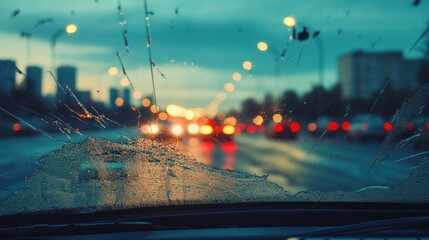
[[124, 82], [277, 117], [289, 21], [174, 110], [229, 87], [119, 102], [71, 28], [112, 71], [258, 120], [150, 129], [193, 128], [177, 130], [163, 116], [137, 94], [189, 114], [262, 46], [236, 76], [145, 102], [154, 109], [247, 65]]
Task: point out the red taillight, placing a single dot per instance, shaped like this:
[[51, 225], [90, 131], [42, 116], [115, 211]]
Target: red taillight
[[410, 127], [250, 128], [312, 127], [294, 127], [217, 129], [333, 126], [278, 127], [345, 126], [388, 126], [260, 128], [16, 127], [427, 126]]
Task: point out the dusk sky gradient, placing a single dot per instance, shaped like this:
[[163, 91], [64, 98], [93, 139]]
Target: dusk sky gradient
[[199, 48]]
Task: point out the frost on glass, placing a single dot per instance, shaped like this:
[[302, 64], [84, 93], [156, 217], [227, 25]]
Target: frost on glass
[[97, 174]]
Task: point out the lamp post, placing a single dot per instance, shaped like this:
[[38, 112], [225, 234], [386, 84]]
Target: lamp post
[[69, 29]]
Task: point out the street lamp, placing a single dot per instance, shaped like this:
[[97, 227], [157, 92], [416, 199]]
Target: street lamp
[[69, 29]]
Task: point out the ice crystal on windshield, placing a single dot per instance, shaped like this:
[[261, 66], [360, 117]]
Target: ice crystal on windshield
[[99, 174]]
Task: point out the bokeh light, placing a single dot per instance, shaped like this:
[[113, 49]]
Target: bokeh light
[[163, 116], [258, 120], [154, 109], [112, 71], [206, 129], [247, 65], [277, 117], [236, 76], [193, 128], [177, 130], [229, 87], [228, 129], [145, 102], [137, 94], [189, 114], [119, 102], [289, 21], [124, 82], [262, 46], [71, 28]]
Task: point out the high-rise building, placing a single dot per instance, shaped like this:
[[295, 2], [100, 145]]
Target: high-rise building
[[126, 97], [113, 95], [66, 76], [7, 75], [364, 74], [34, 80]]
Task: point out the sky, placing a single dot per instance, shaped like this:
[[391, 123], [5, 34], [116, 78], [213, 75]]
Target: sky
[[199, 44]]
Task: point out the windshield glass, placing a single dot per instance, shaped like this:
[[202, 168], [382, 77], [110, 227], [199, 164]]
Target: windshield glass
[[120, 104]]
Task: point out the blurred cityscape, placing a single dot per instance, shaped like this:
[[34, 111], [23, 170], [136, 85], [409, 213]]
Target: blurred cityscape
[[361, 77]]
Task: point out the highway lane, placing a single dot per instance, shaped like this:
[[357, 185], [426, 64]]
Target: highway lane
[[331, 164]]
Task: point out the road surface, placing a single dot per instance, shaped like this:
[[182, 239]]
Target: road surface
[[306, 164]]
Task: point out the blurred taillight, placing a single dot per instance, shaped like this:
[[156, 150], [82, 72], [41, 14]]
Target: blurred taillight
[[333, 126], [16, 127], [294, 127], [278, 128], [388, 126], [250, 128], [345, 126], [427, 126], [260, 128], [312, 127], [410, 127]]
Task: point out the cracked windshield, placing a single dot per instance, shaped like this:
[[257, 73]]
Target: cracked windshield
[[122, 104]]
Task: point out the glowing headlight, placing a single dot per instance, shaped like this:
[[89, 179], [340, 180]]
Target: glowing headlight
[[193, 128], [177, 130]]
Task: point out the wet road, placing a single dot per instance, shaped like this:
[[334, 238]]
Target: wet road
[[331, 164]]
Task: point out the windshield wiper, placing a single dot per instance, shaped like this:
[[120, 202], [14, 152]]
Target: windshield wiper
[[371, 227], [82, 228]]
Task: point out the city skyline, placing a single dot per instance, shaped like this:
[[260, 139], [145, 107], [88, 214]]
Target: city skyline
[[186, 47]]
